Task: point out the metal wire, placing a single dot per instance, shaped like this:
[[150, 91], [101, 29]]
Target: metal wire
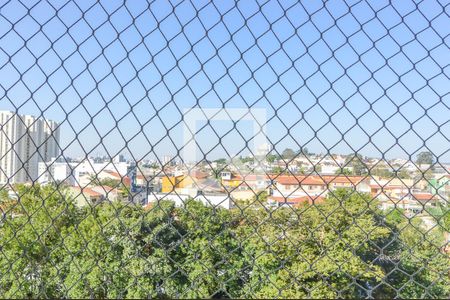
[[346, 79]]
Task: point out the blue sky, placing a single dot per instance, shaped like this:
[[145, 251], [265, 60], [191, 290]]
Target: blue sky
[[364, 76]]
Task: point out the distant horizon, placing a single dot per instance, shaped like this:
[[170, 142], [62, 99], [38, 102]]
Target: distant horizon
[[177, 159]]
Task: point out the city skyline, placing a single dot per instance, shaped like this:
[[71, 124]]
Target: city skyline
[[94, 152]]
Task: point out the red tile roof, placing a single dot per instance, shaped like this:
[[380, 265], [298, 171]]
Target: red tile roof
[[317, 180], [198, 174], [301, 179], [250, 177], [88, 191], [424, 196], [388, 187]]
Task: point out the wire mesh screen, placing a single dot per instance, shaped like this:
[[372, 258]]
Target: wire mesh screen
[[224, 149]]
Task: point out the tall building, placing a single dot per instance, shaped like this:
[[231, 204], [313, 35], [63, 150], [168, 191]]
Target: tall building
[[166, 160], [24, 142]]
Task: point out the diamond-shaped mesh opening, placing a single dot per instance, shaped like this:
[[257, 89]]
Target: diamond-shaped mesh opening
[[256, 149]]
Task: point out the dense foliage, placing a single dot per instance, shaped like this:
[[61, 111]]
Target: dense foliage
[[344, 247]]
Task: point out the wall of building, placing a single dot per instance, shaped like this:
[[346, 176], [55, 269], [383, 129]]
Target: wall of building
[[55, 171], [24, 142]]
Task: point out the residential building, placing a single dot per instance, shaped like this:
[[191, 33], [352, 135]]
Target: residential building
[[84, 170], [330, 168], [315, 185], [54, 170], [411, 202], [294, 202], [85, 196], [382, 188], [440, 185], [166, 160], [184, 180], [24, 142], [107, 192], [255, 182]]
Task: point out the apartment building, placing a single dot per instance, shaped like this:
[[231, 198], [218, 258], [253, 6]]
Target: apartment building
[[24, 142]]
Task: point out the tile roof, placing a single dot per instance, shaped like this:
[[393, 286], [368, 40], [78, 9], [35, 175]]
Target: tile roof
[[317, 180], [87, 191], [424, 196]]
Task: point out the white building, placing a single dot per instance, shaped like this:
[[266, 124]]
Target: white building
[[120, 158], [87, 168], [329, 168], [166, 159], [24, 142], [55, 171], [263, 150]]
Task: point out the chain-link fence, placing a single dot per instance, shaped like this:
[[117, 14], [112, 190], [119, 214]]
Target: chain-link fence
[[224, 149]]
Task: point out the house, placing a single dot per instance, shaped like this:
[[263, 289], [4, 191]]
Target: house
[[85, 169], [141, 180], [315, 185], [245, 187], [440, 185], [404, 204], [245, 182], [112, 175], [360, 183], [107, 192], [390, 188], [229, 180], [189, 183], [424, 198], [85, 196], [298, 186], [412, 202]]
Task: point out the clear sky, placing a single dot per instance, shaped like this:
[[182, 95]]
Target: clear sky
[[339, 76]]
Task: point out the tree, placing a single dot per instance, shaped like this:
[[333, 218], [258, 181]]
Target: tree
[[271, 158], [31, 241], [403, 174], [382, 172], [221, 161], [344, 247], [302, 171], [356, 161], [343, 171], [317, 168], [408, 251], [4, 197], [288, 154], [425, 158], [279, 170], [286, 271], [246, 159], [304, 151]]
